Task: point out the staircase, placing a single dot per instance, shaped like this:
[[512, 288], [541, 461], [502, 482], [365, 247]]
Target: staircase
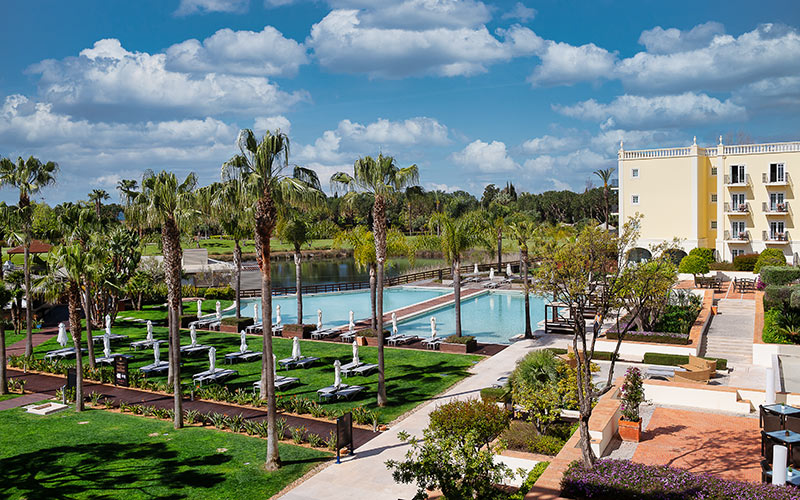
[[730, 335]]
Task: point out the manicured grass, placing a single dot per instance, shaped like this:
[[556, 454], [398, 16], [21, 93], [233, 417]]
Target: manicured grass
[[158, 312], [412, 376], [220, 246], [4, 397], [99, 454], [12, 337]]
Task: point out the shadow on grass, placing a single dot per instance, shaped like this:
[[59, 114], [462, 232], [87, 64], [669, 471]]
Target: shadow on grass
[[92, 470]]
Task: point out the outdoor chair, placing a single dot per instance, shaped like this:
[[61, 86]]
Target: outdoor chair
[[323, 334], [697, 376], [432, 344], [218, 375], [403, 339], [111, 338], [143, 344], [769, 421], [281, 383], [242, 356], [766, 471], [347, 337], [699, 364], [792, 423]]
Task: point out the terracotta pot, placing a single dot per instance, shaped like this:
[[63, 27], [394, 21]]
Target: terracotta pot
[[630, 431]]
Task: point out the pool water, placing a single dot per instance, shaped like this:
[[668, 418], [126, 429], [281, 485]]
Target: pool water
[[493, 318], [336, 306]]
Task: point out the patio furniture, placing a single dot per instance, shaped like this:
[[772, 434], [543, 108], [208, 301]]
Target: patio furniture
[[346, 368], [432, 344], [143, 344], [302, 362], [324, 333], [109, 360], [744, 285], [362, 370], [791, 423], [696, 376], [158, 367], [401, 339], [786, 438], [773, 417], [346, 392], [766, 472], [792, 476], [347, 337], [281, 383], [65, 353], [662, 372], [555, 322], [697, 364], [191, 350], [232, 357], [216, 375], [111, 338], [708, 282]]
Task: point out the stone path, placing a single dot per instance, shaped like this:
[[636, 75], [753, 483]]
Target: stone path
[[23, 400], [365, 475], [730, 335], [45, 334]]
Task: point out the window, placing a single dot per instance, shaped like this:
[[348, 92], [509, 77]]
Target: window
[[737, 227], [776, 203], [776, 230], [735, 252], [776, 172], [738, 175], [713, 224], [635, 199], [738, 202], [713, 170], [713, 198], [635, 172]]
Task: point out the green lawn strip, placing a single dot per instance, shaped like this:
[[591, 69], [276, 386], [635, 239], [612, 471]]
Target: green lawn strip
[[12, 338], [221, 246], [412, 376], [158, 312], [4, 397], [116, 456]]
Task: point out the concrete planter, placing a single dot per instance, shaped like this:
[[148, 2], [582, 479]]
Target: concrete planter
[[630, 431], [470, 346], [372, 341], [299, 331]]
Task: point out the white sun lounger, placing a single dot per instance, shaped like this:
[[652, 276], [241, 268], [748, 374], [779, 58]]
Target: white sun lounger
[[347, 392], [218, 375], [159, 367], [144, 344], [280, 383], [324, 333], [362, 370], [111, 338], [67, 352], [303, 362], [242, 356]]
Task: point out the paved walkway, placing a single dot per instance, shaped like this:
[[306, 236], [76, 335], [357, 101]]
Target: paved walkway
[[365, 475], [730, 335], [23, 400], [45, 334]]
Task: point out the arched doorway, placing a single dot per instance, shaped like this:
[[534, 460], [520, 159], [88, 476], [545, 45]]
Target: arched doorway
[[639, 254], [676, 255]]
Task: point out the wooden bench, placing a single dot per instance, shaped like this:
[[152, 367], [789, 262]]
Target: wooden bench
[[696, 370]]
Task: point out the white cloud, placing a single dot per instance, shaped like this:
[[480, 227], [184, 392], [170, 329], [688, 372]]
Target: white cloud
[[487, 157], [521, 12], [435, 186], [324, 150], [419, 130], [109, 180], [107, 79], [550, 144], [565, 64], [560, 185], [655, 112], [665, 41], [781, 94], [343, 43], [188, 7], [540, 164], [266, 53], [419, 14], [272, 123]]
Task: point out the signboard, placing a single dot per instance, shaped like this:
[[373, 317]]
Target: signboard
[[121, 371], [72, 378], [344, 434]]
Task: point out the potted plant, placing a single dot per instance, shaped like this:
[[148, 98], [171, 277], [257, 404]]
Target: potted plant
[[742, 235], [781, 207], [632, 396], [743, 207]]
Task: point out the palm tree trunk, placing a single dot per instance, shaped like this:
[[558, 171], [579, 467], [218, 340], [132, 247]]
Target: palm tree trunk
[[526, 289], [237, 262], [74, 300], [500, 249], [1, 259], [372, 298], [172, 256], [265, 223], [28, 312], [298, 284], [379, 230], [457, 293], [87, 311], [605, 197], [3, 379]]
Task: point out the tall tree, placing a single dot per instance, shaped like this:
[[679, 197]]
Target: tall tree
[[29, 177], [605, 175], [456, 237], [522, 230], [5, 297], [7, 225], [169, 204], [98, 196], [382, 178], [261, 165], [128, 189], [234, 205]]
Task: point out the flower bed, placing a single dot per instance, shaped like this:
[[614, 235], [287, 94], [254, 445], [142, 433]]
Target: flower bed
[[657, 337], [624, 480]]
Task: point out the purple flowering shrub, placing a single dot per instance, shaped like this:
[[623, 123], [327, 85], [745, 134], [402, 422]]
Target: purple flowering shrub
[[660, 337], [626, 480]]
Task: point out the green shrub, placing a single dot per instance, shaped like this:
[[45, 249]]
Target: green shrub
[[495, 395], [545, 445], [458, 418], [523, 436], [677, 319], [721, 266], [455, 339], [693, 264], [239, 323], [529, 481], [707, 254], [745, 262], [221, 293], [771, 333], [777, 297], [770, 257], [657, 358], [779, 275], [189, 291]]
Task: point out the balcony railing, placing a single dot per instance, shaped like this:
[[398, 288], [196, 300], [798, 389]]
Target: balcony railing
[[774, 237], [775, 208], [741, 236], [737, 208], [768, 180], [739, 181]]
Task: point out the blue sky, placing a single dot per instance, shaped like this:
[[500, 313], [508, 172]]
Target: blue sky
[[536, 92]]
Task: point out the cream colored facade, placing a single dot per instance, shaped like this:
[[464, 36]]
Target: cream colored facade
[[735, 199]]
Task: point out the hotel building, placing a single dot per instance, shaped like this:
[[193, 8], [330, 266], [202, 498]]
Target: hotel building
[[736, 199]]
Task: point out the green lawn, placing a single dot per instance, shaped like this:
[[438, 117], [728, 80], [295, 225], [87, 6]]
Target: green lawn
[[99, 454], [158, 312], [412, 376], [220, 246], [12, 338], [3, 397]]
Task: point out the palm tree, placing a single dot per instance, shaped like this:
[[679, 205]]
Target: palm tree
[[169, 204], [5, 297], [382, 178], [260, 165], [362, 241], [127, 188], [6, 227], [605, 175], [522, 230], [98, 196], [458, 236], [29, 176]]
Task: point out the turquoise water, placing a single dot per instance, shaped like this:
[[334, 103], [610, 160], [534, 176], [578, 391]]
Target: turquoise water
[[491, 318], [336, 307]]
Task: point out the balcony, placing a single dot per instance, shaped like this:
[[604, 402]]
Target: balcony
[[614, 184], [739, 209], [740, 182], [770, 180], [775, 238], [740, 237], [775, 208]]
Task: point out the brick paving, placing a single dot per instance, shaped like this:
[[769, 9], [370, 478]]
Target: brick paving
[[40, 337], [23, 400]]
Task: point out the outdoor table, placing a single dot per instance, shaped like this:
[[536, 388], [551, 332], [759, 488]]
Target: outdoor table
[[787, 438], [792, 476], [782, 409]]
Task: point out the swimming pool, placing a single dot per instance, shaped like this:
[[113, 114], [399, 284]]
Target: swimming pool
[[336, 306], [493, 318]]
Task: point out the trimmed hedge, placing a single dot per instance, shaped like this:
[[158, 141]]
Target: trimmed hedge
[[745, 262], [707, 254], [779, 275], [770, 257], [455, 339], [495, 395], [240, 323], [777, 296], [221, 293], [657, 337], [657, 358]]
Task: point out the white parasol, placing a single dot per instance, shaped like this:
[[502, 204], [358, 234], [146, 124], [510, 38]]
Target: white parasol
[[199, 308], [355, 353], [149, 331], [337, 374], [157, 351], [219, 310], [108, 324], [274, 366], [62, 334], [433, 326], [193, 335], [319, 319], [243, 344], [212, 359], [491, 273], [352, 324], [295, 348], [394, 324], [278, 316], [255, 313], [508, 269], [475, 269], [107, 346]]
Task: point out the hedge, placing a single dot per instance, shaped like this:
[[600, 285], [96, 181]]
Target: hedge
[[496, 395], [657, 358], [598, 355], [777, 296], [693, 264], [770, 333], [239, 323], [455, 339], [657, 337], [707, 254], [745, 262], [770, 257], [221, 293], [779, 275]]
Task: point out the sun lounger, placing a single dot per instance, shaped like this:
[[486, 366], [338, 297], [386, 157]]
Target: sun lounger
[[303, 362], [501, 382], [347, 337], [396, 340], [255, 327], [699, 376], [662, 372], [203, 324], [111, 338], [432, 344], [277, 331], [491, 284], [346, 368], [246, 356], [324, 333], [190, 350], [347, 392], [110, 360], [159, 367], [281, 383], [144, 344], [363, 370], [218, 375], [68, 352]]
